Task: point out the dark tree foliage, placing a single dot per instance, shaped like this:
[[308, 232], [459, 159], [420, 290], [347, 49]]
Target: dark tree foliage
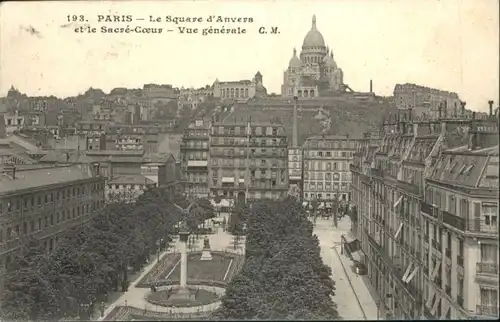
[[90, 261], [28, 293], [283, 276]]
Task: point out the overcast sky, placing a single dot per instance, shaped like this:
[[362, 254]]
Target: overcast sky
[[451, 45]]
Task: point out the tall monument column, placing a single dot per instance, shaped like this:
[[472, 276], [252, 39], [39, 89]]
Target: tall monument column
[[183, 293], [183, 237]]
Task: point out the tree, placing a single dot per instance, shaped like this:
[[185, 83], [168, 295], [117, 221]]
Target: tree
[[90, 260], [28, 295], [283, 276]]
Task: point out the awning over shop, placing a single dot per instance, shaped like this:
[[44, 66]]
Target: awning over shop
[[227, 179], [222, 203], [351, 245]]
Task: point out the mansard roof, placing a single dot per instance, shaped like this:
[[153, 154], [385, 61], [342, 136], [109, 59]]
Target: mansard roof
[[469, 168]]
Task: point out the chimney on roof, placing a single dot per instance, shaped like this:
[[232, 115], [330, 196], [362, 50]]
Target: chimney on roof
[[473, 115], [490, 103], [463, 103], [371, 86]]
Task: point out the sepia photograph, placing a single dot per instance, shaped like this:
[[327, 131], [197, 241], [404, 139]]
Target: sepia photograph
[[249, 160]]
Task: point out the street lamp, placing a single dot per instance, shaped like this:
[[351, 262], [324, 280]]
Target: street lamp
[[159, 243], [102, 309]]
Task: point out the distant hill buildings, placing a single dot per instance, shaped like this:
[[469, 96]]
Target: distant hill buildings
[[240, 91]]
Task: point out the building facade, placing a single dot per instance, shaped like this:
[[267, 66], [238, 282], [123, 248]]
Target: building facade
[[248, 161], [127, 188], [403, 236], [315, 71], [195, 157], [460, 210], [242, 90], [327, 175], [43, 203], [426, 102]]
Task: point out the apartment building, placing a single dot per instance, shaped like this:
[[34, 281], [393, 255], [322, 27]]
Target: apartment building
[[248, 161], [460, 211], [195, 157], [402, 247], [44, 202], [126, 137], [327, 174], [427, 101]]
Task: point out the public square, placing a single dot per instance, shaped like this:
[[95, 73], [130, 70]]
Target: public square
[[352, 295]]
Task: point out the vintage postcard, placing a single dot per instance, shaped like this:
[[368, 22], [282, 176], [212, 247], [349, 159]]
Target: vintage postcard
[[260, 160]]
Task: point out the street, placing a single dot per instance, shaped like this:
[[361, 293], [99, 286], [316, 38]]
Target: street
[[352, 296]]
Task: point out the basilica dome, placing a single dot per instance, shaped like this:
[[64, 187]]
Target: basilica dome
[[313, 38]]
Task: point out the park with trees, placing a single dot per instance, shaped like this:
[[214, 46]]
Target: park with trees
[[283, 276], [94, 260]]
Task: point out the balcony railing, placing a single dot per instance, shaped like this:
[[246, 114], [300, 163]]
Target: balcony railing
[[482, 226], [377, 172], [454, 221], [428, 209], [460, 260], [489, 310], [487, 268]]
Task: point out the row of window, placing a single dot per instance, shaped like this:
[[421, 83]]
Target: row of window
[[245, 130], [234, 92], [279, 163], [196, 155], [243, 141], [312, 186], [328, 176], [329, 154], [43, 198], [32, 226], [196, 144], [329, 144], [327, 166], [253, 173], [197, 133]]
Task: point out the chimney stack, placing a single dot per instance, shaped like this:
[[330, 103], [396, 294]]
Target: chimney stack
[[463, 103], [371, 86], [473, 115], [491, 107]]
